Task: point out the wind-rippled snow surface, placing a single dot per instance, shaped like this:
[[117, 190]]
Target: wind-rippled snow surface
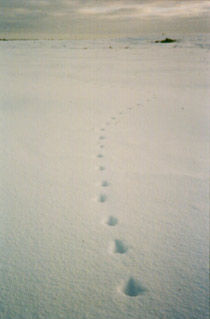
[[104, 179]]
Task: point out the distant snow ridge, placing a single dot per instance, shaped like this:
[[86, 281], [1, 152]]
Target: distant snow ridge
[[132, 287]]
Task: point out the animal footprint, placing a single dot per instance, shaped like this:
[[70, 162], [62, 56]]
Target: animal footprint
[[102, 168], [104, 184], [100, 155], [102, 138], [120, 247], [112, 221], [102, 198], [133, 288], [101, 146]]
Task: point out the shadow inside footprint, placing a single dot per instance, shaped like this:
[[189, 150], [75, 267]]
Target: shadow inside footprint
[[120, 247], [133, 288], [102, 138], [100, 155], [101, 168], [104, 184], [112, 221], [102, 198]]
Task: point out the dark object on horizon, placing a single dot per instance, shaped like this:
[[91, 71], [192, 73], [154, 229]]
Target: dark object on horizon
[[166, 40], [3, 40]]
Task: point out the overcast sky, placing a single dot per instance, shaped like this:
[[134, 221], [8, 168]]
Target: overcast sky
[[101, 18]]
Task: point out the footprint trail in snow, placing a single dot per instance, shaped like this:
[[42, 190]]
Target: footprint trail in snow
[[131, 287]]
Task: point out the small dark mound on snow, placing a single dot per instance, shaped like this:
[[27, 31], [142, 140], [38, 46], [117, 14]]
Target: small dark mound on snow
[[166, 40], [133, 288]]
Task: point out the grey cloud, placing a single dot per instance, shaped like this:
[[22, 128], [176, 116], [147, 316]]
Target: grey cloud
[[107, 17]]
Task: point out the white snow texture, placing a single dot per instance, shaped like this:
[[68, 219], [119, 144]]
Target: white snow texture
[[104, 179]]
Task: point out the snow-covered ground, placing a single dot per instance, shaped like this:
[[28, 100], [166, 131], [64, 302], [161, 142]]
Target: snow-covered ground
[[104, 179]]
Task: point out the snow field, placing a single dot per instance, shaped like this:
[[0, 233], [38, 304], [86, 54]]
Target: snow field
[[104, 189]]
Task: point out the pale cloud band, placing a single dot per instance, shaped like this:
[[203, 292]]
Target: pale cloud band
[[148, 9]]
